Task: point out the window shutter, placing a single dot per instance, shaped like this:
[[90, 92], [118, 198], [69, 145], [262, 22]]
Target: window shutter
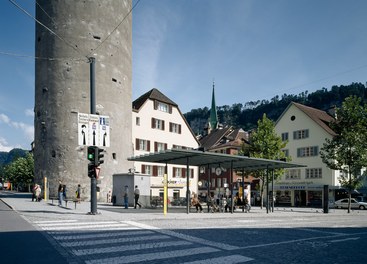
[[294, 134], [192, 173], [155, 170], [155, 104], [183, 173], [170, 127], [298, 152], [148, 145], [155, 146], [170, 109], [143, 168], [137, 145], [179, 129], [162, 124], [306, 133], [174, 171], [165, 146], [153, 122]]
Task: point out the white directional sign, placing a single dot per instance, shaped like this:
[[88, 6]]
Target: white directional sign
[[93, 130]]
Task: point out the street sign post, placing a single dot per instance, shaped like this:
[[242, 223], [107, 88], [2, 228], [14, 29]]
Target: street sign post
[[93, 130]]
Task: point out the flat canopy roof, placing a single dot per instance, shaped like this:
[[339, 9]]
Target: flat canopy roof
[[200, 158]]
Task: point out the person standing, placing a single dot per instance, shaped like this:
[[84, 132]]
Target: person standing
[[38, 193], [60, 192], [126, 197], [77, 193], [136, 196]]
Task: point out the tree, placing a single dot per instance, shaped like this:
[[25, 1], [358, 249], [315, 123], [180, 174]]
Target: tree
[[266, 144], [21, 171], [347, 151]]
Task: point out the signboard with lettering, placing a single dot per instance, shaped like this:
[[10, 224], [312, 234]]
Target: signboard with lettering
[[93, 130]]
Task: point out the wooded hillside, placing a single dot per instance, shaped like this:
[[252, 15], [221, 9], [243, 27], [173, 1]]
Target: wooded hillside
[[246, 115]]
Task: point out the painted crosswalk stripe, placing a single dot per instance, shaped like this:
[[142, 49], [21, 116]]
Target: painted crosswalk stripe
[[233, 259], [78, 223], [112, 241], [54, 221], [125, 248], [155, 256], [73, 236], [94, 227]]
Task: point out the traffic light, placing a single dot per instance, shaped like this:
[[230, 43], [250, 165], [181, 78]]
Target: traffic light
[[91, 170], [91, 153], [98, 156]]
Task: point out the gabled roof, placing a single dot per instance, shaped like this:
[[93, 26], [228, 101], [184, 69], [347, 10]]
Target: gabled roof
[[154, 95], [214, 137], [320, 117]]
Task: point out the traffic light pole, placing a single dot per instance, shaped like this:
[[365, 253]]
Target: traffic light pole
[[93, 180]]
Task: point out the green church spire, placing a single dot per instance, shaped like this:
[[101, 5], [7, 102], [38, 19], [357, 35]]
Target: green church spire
[[213, 121]]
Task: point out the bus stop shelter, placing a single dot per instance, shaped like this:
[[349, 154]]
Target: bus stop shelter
[[202, 158]]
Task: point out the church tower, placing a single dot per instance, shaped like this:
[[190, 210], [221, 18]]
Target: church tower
[[213, 120], [71, 33]]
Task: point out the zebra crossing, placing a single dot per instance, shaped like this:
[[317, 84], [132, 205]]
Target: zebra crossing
[[95, 242]]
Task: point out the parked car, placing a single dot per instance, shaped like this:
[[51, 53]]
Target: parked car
[[354, 204]]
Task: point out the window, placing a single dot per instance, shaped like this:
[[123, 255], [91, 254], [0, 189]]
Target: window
[[157, 123], [308, 151], [142, 144], [162, 107], [146, 169], [158, 146], [285, 136], [213, 183], [314, 173], [300, 134], [160, 171], [219, 182], [177, 172], [174, 128], [293, 174], [286, 152], [137, 121]]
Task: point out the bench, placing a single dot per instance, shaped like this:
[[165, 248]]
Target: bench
[[67, 200]]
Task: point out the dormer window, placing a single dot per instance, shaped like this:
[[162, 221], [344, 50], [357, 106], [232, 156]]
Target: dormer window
[[163, 107]]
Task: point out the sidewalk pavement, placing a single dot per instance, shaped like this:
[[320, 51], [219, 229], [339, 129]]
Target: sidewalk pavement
[[22, 203]]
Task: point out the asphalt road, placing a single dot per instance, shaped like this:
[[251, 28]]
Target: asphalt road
[[298, 235], [21, 242]]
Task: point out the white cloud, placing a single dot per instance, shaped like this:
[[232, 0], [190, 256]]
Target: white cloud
[[29, 112], [28, 130], [4, 145]]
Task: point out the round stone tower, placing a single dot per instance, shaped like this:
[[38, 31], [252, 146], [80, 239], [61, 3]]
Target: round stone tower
[[78, 30]]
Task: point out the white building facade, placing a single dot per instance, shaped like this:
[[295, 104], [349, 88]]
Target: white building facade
[[157, 125], [305, 128]]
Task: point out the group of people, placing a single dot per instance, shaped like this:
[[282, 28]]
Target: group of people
[[136, 197], [62, 191]]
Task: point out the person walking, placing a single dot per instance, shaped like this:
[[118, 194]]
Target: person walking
[[136, 196], [126, 197], [60, 192], [38, 193], [195, 202]]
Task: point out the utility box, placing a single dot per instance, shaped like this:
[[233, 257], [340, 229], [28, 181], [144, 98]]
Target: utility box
[[130, 180]]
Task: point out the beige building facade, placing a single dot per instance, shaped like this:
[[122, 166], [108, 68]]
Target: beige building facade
[[305, 129], [158, 124]]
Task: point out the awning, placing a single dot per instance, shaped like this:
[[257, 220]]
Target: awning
[[201, 158]]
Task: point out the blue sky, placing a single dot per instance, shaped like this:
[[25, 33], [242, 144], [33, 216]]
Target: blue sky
[[252, 49]]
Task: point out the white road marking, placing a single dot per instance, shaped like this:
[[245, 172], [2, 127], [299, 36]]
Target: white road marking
[[112, 241], [225, 259], [197, 240], [124, 248], [155, 256], [71, 236], [343, 240]]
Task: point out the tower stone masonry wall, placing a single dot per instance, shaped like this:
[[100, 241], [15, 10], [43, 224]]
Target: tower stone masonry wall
[[62, 89]]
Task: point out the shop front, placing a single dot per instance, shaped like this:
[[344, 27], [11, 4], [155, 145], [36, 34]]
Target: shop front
[[301, 194]]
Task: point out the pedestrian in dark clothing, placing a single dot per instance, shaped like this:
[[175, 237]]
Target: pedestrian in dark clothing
[[60, 192], [126, 197], [136, 196]]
